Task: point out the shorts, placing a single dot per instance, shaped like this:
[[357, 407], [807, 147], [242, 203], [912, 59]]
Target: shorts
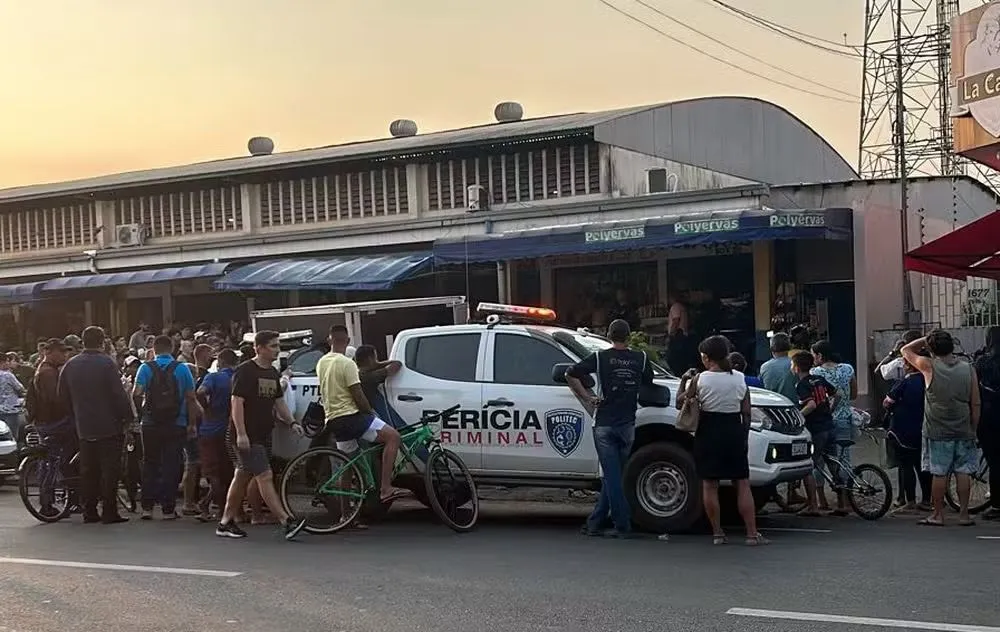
[[212, 450], [239, 460], [254, 460], [349, 428], [191, 452], [942, 457], [822, 445]]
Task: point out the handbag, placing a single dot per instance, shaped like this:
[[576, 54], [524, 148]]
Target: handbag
[[687, 420]]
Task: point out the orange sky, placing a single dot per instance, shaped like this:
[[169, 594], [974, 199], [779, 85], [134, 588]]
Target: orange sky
[[99, 86]]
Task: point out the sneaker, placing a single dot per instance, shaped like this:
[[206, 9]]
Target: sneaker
[[293, 527], [590, 533], [230, 530], [170, 515]]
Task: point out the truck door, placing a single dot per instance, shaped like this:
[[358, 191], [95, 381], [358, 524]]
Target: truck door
[[441, 369], [537, 427]]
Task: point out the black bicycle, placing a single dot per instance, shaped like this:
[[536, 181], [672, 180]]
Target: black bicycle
[[49, 479]]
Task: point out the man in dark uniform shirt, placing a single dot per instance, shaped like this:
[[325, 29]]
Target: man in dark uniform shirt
[[373, 374]]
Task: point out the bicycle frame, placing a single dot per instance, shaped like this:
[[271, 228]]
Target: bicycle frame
[[830, 462], [414, 437]]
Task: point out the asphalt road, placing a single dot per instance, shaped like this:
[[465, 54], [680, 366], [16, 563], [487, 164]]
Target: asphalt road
[[525, 569]]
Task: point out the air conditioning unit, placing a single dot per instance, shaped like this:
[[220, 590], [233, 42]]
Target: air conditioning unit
[[130, 235], [478, 197], [659, 180]]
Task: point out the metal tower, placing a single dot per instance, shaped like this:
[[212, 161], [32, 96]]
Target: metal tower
[[905, 124]]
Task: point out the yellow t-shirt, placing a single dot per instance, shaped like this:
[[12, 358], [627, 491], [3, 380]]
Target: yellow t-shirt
[[337, 374]]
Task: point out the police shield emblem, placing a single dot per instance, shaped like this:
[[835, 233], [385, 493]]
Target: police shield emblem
[[564, 427]]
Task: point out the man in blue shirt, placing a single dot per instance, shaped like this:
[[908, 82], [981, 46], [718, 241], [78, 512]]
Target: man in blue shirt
[[164, 392], [215, 394]]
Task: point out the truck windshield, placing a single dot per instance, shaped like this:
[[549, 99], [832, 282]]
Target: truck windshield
[[583, 344]]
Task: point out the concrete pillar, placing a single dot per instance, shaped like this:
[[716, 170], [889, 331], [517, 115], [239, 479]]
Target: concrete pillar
[[104, 216], [545, 281], [167, 302], [88, 313], [503, 286], [763, 294], [417, 199], [662, 291], [251, 306], [250, 207]]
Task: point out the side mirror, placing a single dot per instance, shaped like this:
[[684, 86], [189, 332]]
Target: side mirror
[[654, 396], [559, 375]]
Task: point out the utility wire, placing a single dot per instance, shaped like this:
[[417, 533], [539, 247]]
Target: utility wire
[[742, 52], [829, 46], [722, 60]]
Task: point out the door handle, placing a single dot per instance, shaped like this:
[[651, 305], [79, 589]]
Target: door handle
[[410, 397], [499, 402]]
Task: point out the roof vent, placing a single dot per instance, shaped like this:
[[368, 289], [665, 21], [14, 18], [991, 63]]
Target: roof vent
[[508, 112], [403, 127], [260, 146]]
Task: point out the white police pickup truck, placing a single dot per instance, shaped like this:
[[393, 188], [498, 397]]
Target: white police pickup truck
[[520, 425]]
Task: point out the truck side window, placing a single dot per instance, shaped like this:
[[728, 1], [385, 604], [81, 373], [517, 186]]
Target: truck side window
[[450, 357], [304, 363], [525, 360]]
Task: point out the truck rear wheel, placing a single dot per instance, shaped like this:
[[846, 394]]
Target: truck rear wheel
[[663, 488]]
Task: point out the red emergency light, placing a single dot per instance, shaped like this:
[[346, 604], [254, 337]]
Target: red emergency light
[[520, 311]]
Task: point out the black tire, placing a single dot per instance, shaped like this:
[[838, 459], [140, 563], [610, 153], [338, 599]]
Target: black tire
[[334, 507], [980, 481], [666, 469], [28, 480], [444, 494], [862, 489]]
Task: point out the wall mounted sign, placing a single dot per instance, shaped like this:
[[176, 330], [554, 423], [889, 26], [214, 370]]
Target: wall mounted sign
[[706, 226], [625, 233]]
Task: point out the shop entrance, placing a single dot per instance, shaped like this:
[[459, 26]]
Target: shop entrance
[[585, 295], [718, 291], [830, 307]]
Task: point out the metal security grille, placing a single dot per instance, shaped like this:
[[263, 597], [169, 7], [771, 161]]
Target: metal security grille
[[40, 229], [953, 303], [183, 213], [518, 176], [333, 198]]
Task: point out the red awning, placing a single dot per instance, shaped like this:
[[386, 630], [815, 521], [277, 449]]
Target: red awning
[[971, 251]]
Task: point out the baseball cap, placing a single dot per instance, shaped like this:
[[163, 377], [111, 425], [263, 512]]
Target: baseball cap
[[73, 341], [130, 359]]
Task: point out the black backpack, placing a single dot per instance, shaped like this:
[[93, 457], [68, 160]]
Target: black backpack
[[162, 405]]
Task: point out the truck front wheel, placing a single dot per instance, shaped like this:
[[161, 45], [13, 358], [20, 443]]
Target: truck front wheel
[[663, 488]]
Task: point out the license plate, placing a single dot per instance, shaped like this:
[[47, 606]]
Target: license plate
[[800, 449]]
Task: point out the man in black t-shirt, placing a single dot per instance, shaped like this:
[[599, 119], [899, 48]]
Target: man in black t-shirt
[[620, 372], [373, 374], [257, 399]]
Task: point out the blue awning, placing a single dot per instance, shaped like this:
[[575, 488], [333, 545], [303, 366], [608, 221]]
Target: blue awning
[[20, 293], [135, 277], [341, 273], [653, 232]]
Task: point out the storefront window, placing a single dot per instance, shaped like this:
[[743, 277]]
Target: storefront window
[[587, 296]]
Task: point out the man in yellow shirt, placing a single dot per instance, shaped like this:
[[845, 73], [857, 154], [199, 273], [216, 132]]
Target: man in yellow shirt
[[348, 412]]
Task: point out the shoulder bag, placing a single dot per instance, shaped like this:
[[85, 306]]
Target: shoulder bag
[[687, 420]]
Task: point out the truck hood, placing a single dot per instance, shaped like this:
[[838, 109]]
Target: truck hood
[[758, 396]]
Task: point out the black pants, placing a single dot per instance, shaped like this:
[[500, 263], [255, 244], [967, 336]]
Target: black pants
[[100, 470], [162, 466], [910, 474], [989, 441]]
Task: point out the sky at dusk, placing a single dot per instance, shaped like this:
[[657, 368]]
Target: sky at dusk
[[99, 86]]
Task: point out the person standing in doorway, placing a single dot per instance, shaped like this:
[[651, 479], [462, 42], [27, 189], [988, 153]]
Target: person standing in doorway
[[988, 370], [91, 389], [620, 371], [951, 414], [679, 354], [164, 392], [256, 401]]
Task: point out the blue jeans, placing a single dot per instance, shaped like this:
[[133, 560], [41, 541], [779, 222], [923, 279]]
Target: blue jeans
[[162, 465], [614, 444]]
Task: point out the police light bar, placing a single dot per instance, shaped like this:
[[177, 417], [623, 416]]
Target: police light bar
[[521, 311]]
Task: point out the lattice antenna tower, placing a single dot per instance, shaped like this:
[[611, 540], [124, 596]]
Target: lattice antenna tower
[[906, 53]]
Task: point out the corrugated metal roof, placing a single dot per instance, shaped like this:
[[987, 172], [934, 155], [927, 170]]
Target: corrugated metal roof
[[357, 150]]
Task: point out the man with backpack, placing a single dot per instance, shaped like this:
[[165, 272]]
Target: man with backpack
[[165, 395]]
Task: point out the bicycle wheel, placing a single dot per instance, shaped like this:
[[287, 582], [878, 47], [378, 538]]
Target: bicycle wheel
[[870, 491], [451, 491], [303, 480], [979, 493], [43, 489]]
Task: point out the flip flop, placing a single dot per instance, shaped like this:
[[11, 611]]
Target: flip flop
[[927, 522], [395, 494]]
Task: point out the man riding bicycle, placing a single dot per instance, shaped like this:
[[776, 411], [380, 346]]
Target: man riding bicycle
[[349, 414]]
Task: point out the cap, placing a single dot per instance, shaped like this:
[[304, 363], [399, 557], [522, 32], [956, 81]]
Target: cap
[[55, 344], [129, 360], [618, 330], [73, 341]]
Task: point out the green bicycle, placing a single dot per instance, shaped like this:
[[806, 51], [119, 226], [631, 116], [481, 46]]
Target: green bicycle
[[335, 486]]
